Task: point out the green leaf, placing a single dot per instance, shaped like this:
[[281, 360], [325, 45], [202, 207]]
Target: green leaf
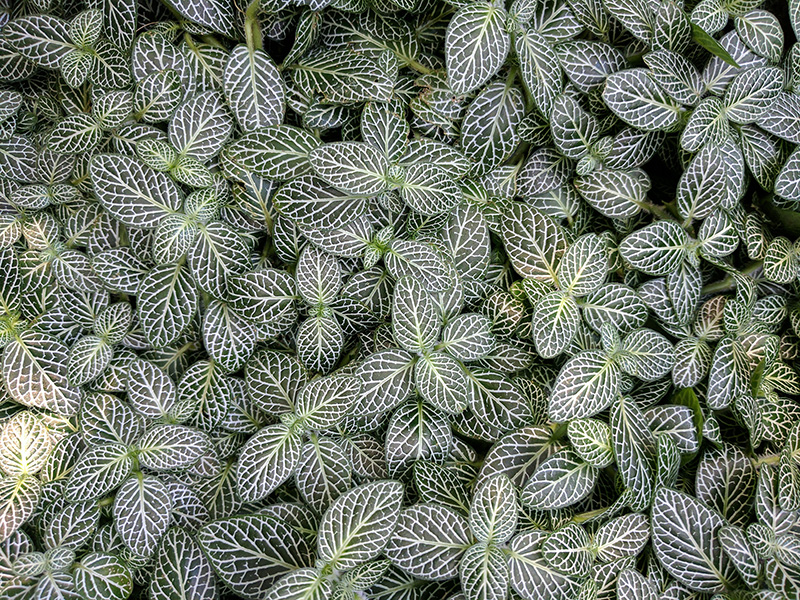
[[280, 152], [18, 500], [712, 45], [201, 126], [343, 76], [484, 573], [533, 241], [43, 39], [25, 445], [531, 575], [98, 471], [428, 189]]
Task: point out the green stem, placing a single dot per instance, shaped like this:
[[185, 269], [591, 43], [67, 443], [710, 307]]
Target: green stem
[[771, 459], [252, 28], [583, 517], [729, 283]]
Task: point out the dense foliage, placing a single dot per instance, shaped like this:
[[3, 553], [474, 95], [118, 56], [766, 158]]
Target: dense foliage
[[400, 300]]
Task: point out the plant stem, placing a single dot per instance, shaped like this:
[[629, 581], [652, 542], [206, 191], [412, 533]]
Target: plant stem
[[252, 28], [727, 284]]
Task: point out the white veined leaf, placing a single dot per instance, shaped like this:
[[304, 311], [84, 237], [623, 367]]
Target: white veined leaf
[[635, 586], [359, 523], [98, 471], [415, 323], [201, 126], [751, 93], [476, 46], [494, 511], [614, 194], [142, 509], [586, 385], [267, 460], [88, 358], [541, 71], [273, 379], [323, 402], [279, 152], [312, 203], [534, 242], [416, 431], [567, 550], [151, 391], [692, 362], [167, 447], [102, 575], [323, 473], [736, 545], [426, 150], [591, 441], [320, 341], [467, 337], [726, 481], [706, 184], [655, 249], [319, 277], [218, 253], [354, 167], [635, 98], [428, 189], [706, 125], [75, 134], [384, 126], [254, 88], [787, 184], [646, 354], [729, 374], [556, 318], [634, 448], [587, 63], [18, 500], [501, 402], [531, 576], [489, 128], [622, 537], [228, 338], [676, 76], [167, 301], [251, 553], [638, 18], [560, 481], [677, 422], [181, 570], [25, 445], [616, 304], [35, 373], [583, 267], [266, 296], [344, 76], [574, 130], [466, 236], [685, 542], [387, 380], [429, 541], [484, 573], [420, 261], [134, 194], [43, 39], [441, 380], [302, 584]]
